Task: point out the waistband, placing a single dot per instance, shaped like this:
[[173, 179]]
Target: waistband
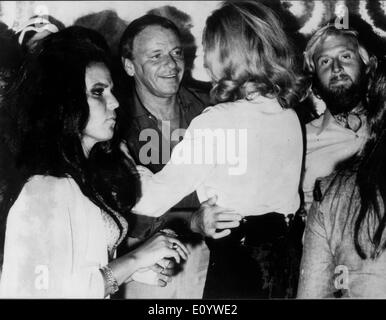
[[255, 230]]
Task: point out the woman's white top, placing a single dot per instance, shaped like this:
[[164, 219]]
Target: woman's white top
[[55, 243], [248, 153]]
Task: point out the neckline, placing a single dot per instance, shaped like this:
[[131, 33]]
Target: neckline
[[149, 113]]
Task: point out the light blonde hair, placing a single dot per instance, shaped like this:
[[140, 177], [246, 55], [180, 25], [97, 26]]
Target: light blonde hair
[[320, 36], [254, 52]]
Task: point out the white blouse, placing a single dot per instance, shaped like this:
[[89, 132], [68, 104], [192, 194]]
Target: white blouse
[[248, 153], [55, 243]]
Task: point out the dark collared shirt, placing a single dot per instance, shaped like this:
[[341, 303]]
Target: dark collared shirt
[[136, 119], [191, 103]]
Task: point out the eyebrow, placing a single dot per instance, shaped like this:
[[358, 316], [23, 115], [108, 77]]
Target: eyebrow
[[105, 85], [343, 50], [178, 47], [150, 51]]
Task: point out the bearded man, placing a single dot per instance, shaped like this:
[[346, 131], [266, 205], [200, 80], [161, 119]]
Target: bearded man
[[340, 67]]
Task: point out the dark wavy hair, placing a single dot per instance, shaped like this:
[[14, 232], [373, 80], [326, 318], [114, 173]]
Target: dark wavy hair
[[254, 52], [10, 53], [47, 111], [371, 221]]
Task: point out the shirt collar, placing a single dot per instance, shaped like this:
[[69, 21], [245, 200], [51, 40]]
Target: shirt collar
[[140, 110], [327, 118]]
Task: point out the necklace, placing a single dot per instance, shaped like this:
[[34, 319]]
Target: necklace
[[350, 121]]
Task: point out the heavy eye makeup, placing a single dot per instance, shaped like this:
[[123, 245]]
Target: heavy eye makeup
[[98, 89], [98, 92]]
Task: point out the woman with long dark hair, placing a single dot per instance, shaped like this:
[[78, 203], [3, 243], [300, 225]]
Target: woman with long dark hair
[[65, 212], [246, 150], [344, 240]]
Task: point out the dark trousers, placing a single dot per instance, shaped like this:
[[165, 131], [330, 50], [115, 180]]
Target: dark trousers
[[258, 260]]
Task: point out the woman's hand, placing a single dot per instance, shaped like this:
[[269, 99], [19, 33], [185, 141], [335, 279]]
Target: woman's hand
[[161, 245], [155, 256], [155, 275]]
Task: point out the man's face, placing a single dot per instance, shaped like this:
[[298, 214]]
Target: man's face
[[339, 71], [338, 64], [158, 62]]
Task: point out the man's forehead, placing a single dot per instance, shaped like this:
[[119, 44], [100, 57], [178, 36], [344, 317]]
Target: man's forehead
[[153, 36], [332, 42]]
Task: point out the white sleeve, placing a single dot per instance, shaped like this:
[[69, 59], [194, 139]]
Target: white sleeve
[[190, 164], [39, 249]]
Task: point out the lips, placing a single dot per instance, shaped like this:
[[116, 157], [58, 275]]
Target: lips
[[339, 79], [170, 76], [170, 73]]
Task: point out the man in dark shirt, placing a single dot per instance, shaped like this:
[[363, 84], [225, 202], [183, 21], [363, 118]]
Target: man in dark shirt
[[156, 108]]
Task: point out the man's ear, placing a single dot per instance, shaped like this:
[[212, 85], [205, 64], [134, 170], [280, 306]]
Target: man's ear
[[363, 54], [128, 66], [369, 60]]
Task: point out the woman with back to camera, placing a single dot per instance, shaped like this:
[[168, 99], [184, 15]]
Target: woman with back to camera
[[344, 244], [65, 216], [255, 85]]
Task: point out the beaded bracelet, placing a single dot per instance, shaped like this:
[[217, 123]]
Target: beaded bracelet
[[112, 283]]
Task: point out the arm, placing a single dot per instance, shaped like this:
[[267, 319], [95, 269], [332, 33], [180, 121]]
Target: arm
[[41, 246], [180, 176], [209, 220], [38, 250], [152, 255], [317, 266]]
